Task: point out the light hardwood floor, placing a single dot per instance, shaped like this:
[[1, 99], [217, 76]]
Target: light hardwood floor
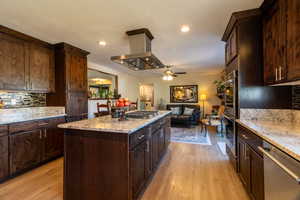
[[188, 172]]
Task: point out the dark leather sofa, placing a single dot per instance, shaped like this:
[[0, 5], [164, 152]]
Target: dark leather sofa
[[185, 120]]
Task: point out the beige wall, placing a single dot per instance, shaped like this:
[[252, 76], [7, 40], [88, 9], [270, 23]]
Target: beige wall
[[128, 85], [203, 80]]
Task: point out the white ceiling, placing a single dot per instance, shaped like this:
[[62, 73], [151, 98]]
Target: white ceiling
[[84, 22]]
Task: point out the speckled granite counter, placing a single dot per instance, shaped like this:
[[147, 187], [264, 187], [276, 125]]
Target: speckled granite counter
[[108, 124], [283, 135], [8, 116]]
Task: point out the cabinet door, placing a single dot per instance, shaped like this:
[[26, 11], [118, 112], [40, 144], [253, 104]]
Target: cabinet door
[[25, 150], [293, 39], [257, 176], [155, 149], [161, 142], [77, 104], [77, 66], [41, 69], [13, 63], [4, 171], [244, 163], [53, 142], [139, 168], [233, 44], [274, 42]]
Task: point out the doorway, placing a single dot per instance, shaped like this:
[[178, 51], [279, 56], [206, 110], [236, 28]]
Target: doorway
[[146, 96]]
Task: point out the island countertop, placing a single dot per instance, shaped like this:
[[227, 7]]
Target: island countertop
[[283, 135], [109, 124]]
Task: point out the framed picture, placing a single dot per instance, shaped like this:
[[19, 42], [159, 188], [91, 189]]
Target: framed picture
[[184, 94]]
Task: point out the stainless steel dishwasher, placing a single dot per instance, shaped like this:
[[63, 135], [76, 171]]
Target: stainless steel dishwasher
[[281, 173]]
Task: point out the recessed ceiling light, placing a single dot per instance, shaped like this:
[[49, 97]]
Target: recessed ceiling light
[[185, 28], [102, 43]]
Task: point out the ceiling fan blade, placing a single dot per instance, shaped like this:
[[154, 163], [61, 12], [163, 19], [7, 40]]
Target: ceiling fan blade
[[179, 72]]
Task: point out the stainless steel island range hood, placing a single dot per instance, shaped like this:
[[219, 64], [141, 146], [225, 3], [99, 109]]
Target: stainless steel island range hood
[[140, 57]]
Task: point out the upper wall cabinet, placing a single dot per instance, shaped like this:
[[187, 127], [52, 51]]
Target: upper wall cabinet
[[281, 41], [13, 63], [26, 64], [41, 68], [231, 49]]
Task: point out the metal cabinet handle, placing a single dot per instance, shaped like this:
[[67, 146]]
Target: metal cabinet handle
[[282, 166], [43, 124], [141, 137], [45, 133], [40, 134], [279, 71], [276, 74]]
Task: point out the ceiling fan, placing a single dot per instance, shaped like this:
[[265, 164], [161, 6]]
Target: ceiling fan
[[169, 74]]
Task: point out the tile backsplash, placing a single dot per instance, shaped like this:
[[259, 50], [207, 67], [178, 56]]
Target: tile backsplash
[[22, 99]]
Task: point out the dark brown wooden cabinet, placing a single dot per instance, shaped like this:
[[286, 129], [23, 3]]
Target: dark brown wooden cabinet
[[41, 69], [257, 176], [71, 81], [77, 71], [274, 36], [4, 165], [53, 140], [97, 164], [293, 38], [26, 64], [30, 144], [250, 163], [140, 166], [280, 41], [25, 150], [231, 49], [244, 163], [13, 63]]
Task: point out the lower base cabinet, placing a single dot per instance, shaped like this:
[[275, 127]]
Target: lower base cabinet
[[32, 143], [250, 163], [140, 166], [25, 150], [4, 165]]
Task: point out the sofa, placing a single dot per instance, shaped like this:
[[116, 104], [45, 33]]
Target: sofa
[[181, 118]]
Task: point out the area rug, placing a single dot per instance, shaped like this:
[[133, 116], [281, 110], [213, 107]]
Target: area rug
[[191, 135]]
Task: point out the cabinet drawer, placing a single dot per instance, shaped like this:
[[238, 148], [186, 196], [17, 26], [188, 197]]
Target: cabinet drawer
[[23, 126], [250, 138], [138, 137]]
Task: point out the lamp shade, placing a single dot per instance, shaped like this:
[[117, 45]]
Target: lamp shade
[[203, 97]]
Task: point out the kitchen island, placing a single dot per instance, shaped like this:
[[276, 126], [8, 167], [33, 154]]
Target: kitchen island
[[110, 159]]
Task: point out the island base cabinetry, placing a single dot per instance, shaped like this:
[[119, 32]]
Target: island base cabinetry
[[114, 166]]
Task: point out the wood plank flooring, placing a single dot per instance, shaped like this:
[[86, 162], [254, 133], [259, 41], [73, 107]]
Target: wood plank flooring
[[188, 172]]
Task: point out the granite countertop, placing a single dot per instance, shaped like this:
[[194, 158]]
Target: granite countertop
[[283, 135], [8, 116], [109, 124]]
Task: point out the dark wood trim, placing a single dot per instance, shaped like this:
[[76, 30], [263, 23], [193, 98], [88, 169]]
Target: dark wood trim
[[69, 47], [24, 37], [236, 17], [139, 31]]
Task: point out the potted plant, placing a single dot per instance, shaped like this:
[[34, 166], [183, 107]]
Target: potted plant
[[220, 88]]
